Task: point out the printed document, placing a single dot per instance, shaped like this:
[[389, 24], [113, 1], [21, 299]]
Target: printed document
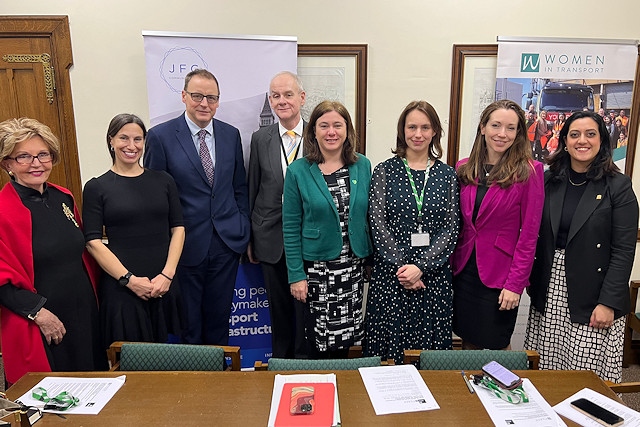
[[397, 389], [94, 393], [631, 417], [534, 413]]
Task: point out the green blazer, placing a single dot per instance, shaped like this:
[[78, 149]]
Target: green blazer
[[310, 222]]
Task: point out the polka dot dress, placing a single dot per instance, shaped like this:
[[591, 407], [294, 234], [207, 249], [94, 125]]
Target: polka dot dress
[[399, 319]]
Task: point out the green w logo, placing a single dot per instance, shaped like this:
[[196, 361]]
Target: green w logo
[[530, 63]]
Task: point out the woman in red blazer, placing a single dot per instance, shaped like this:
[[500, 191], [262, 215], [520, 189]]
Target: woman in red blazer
[[501, 199]]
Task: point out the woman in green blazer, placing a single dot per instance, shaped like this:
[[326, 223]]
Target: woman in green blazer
[[326, 234]]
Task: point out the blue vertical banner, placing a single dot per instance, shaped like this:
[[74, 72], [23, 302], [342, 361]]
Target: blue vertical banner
[[250, 324]]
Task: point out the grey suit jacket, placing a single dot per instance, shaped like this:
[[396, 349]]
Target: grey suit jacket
[[266, 182]]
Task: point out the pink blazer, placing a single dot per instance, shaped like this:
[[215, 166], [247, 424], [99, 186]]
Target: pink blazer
[[505, 232]]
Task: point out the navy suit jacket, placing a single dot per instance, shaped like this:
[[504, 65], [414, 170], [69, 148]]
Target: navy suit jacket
[[225, 207]]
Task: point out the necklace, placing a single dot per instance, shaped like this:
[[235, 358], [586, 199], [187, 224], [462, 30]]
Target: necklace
[[574, 184], [484, 168]]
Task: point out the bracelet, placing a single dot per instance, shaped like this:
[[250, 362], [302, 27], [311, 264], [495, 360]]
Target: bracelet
[[170, 279]]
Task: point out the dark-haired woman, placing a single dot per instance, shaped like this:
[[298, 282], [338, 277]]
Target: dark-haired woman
[[580, 280], [501, 199], [142, 217], [326, 235], [414, 215]]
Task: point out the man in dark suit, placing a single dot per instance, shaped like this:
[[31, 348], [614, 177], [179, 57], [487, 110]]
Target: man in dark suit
[[273, 148], [204, 156]]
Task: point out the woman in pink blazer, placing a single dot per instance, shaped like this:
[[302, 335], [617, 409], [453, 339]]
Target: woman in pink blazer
[[501, 200]]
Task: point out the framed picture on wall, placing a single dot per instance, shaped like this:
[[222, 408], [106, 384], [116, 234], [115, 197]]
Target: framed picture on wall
[[337, 72], [473, 81]]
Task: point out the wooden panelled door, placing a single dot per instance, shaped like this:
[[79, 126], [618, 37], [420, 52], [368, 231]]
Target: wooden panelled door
[[35, 57]]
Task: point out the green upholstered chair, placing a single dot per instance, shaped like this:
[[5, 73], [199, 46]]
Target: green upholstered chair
[[135, 356], [471, 359], [633, 324], [276, 364]]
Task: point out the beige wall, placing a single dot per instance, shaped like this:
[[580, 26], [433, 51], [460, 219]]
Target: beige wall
[[410, 43]]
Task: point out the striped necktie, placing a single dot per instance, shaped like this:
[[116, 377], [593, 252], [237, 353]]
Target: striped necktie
[[291, 146]]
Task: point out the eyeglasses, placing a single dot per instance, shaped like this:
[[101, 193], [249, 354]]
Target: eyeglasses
[[198, 97], [27, 159]]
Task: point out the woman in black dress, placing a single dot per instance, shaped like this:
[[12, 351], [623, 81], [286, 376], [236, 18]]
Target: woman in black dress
[[141, 214], [48, 304]]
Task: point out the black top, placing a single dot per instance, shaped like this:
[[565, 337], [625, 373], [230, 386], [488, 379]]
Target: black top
[[60, 280], [575, 190], [137, 214]]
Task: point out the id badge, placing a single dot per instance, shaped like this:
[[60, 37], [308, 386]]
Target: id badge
[[419, 239]]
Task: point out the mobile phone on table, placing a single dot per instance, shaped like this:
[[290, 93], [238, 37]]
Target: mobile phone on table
[[597, 413], [501, 375], [302, 400]]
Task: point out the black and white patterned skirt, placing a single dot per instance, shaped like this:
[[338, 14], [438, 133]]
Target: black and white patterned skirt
[[564, 345]]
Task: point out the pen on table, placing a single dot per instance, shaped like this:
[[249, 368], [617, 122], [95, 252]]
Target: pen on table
[[466, 381]]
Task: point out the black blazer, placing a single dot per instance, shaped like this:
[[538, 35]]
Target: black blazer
[[600, 246]]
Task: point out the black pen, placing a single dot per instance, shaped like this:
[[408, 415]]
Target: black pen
[[466, 381]]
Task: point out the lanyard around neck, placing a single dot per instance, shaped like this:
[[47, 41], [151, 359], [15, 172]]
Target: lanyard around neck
[[284, 152], [420, 198]]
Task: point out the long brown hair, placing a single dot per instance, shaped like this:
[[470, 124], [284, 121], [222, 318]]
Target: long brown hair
[[516, 163], [311, 147], [435, 147]]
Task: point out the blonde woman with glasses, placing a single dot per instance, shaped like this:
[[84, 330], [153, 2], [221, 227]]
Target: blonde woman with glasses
[[47, 288]]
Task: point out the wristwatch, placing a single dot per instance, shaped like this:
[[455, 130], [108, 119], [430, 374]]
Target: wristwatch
[[32, 316], [124, 280]]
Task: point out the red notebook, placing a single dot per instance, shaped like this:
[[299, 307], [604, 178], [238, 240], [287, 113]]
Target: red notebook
[[322, 403]]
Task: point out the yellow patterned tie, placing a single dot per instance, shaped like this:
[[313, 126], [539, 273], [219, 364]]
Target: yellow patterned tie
[[291, 148]]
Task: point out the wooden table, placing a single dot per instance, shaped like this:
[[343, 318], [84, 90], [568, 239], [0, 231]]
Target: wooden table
[[243, 399]]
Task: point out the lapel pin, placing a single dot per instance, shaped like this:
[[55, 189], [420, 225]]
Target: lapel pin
[[355, 181], [599, 196]]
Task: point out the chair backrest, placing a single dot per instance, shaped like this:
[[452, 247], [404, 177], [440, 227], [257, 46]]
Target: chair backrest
[[170, 357], [472, 359], [276, 364]]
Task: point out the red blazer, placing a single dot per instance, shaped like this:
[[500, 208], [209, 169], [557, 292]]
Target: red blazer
[[505, 232], [22, 345]]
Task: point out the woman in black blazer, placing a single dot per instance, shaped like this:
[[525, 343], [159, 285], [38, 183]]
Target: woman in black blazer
[[579, 282]]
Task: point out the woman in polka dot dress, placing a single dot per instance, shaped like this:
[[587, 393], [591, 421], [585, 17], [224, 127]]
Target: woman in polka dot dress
[[414, 217]]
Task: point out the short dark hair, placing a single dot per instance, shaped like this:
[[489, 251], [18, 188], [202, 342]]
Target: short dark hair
[[311, 147], [117, 123], [435, 147], [205, 74], [601, 165]]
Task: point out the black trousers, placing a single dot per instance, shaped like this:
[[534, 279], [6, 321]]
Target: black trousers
[[287, 333]]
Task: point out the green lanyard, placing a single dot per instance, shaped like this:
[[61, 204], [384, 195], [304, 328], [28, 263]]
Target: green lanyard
[[419, 199], [515, 396], [61, 402]]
